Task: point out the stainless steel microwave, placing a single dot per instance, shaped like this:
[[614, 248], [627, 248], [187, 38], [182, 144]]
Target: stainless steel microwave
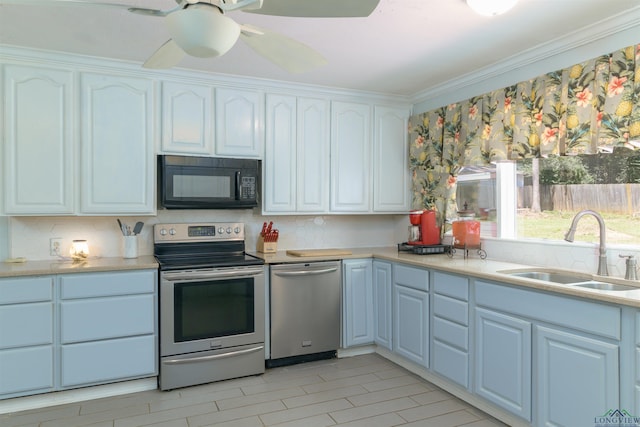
[[186, 182]]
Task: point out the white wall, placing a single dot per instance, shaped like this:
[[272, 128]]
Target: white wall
[[30, 235], [4, 237]]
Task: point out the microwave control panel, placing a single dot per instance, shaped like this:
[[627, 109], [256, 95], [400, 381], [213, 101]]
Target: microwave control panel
[[248, 187]]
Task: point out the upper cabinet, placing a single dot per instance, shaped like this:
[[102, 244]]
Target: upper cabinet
[[391, 179], [187, 118], [38, 162], [350, 157], [296, 163], [239, 123], [117, 168]]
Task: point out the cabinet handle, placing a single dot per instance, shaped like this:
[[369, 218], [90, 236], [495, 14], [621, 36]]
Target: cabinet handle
[[305, 272]]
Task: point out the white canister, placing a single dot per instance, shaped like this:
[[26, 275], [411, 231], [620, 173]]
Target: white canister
[[130, 247]]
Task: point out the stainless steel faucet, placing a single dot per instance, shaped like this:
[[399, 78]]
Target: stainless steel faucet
[[602, 263]]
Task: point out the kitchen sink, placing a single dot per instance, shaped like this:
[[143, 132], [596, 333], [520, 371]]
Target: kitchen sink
[[549, 276], [602, 286]]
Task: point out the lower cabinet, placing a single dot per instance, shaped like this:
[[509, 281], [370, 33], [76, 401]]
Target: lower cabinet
[[357, 303], [382, 295], [411, 313], [72, 330], [503, 361], [26, 336], [637, 354], [577, 378]]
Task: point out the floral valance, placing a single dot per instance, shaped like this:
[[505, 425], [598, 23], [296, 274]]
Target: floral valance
[[590, 107]]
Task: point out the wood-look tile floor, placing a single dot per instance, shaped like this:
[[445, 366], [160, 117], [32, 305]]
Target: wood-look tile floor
[[359, 391]]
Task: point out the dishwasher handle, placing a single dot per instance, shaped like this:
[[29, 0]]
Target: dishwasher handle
[[305, 272]]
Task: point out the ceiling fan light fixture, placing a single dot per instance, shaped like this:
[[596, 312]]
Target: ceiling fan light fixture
[[491, 7], [203, 31]]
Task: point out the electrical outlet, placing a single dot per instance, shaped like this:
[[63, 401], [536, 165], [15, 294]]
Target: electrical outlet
[[55, 246]]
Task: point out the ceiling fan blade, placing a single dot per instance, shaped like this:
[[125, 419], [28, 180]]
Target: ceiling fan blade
[[167, 56], [139, 10], [317, 8], [289, 54]]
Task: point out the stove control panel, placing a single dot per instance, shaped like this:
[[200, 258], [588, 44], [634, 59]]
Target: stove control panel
[[202, 232]]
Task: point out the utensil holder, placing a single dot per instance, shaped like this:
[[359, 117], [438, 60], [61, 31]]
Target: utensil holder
[[130, 247], [266, 247]]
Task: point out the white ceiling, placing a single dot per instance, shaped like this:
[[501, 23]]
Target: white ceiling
[[404, 47]]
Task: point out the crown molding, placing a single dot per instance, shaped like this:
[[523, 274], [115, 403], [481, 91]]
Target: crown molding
[[588, 42]]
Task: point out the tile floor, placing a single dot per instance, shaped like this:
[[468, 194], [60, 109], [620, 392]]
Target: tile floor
[[366, 391]]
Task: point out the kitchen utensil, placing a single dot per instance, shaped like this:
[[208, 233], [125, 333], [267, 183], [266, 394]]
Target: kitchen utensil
[[122, 227], [138, 228], [264, 229]]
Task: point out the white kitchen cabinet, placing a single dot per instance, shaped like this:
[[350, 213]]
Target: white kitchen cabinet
[[187, 119], [566, 396], [411, 313], [637, 364], [117, 167], [450, 330], [382, 306], [391, 178], [26, 336], [296, 164], [39, 141], [358, 323], [350, 157], [503, 361], [239, 122], [107, 327]]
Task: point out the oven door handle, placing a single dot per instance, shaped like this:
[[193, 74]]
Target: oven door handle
[[305, 272], [176, 277], [212, 356]]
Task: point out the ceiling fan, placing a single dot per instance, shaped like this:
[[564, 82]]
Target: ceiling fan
[[200, 28]]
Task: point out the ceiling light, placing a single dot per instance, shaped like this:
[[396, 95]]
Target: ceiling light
[[491, 7], [202, 30]]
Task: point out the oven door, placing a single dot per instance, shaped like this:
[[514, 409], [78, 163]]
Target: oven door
[[211, 309]]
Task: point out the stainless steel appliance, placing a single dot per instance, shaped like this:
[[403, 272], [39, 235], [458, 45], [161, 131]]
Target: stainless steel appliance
[[212, 304], [186, 182], [305, 311]]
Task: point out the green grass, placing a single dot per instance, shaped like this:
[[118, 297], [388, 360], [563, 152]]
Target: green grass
[[553, 225]]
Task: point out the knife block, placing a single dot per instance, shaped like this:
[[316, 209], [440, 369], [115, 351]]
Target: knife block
[[266, 247]]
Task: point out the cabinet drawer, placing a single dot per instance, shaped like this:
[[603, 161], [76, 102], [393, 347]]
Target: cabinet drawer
[[25, 370], [104, 318], [451, 285], [415, 278], [590, 317], [451, 333], [451, 309], [28, 289], [26, 324], [451, 363], [106, 361], [638, 329], [107, 284]]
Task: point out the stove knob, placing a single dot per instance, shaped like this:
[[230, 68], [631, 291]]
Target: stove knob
[[229, 230], [237, 230], [172, 231], [163, 232], [220, 230]]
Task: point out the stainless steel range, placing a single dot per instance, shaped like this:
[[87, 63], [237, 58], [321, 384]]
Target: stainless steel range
[[212, 304]]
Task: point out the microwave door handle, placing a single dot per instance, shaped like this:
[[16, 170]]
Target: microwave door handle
[[238, 187]]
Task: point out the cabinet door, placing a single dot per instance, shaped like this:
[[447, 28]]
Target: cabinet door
[[39, 140], [411, 324], [577, 378], [382, 320], [280, 154], [358, 303], [391, 160], [350, 157], [312, 181], [238, 123], [503, 361], [187, 118], [117, 145]]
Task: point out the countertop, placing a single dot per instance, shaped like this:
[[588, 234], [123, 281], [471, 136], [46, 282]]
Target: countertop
[[478, 268], [44, 267]]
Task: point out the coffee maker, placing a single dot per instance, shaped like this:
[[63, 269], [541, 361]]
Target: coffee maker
[[423, 229]]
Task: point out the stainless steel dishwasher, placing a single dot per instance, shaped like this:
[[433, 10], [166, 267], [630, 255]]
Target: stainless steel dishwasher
[[305, 311]]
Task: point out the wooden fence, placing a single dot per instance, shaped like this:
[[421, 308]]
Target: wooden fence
[[610, 198]]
